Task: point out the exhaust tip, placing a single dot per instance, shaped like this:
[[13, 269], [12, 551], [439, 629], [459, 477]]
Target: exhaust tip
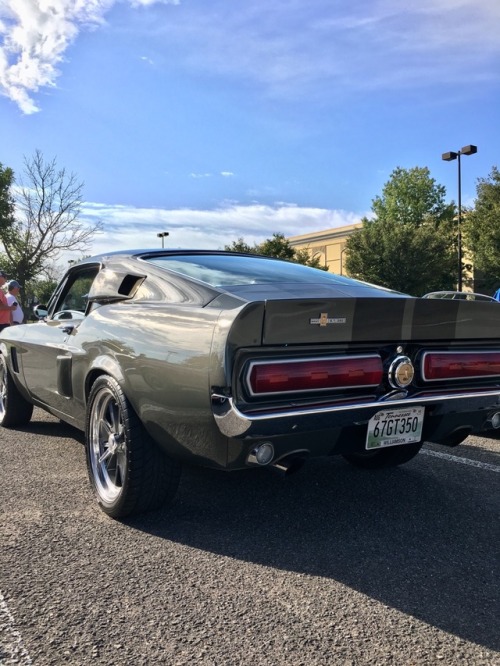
[[262, 454], [289, 464], [495, 420]]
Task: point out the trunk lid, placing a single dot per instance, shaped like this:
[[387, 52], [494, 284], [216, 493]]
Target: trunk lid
[[388, 319]]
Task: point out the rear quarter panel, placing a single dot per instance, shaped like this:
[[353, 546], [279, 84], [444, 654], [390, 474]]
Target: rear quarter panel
[[164, 360]]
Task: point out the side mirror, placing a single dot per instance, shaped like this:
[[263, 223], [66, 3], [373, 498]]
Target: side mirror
[[40, 311]]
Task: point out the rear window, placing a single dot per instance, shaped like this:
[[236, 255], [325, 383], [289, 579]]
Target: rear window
[[230, 270]]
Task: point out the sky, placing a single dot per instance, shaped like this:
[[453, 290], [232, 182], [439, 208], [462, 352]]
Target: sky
[[216, 120]]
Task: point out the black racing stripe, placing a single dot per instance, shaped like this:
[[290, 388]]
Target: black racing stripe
[[435, 319], [378, 319]]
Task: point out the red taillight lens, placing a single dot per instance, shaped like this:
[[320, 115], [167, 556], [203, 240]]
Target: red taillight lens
[[438, 366], [314, 375]]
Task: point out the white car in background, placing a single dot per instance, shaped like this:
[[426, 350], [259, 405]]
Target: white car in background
[[460, 296]]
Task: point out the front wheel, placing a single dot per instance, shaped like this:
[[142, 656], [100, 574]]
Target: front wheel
[[128, 472], [383, 458], [14, 409]]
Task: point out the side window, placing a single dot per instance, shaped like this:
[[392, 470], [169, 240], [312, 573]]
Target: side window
[[72, 301]]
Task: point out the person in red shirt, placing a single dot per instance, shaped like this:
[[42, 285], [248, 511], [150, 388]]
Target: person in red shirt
[[5, 309]]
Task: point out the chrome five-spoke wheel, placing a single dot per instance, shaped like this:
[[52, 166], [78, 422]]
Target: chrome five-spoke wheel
[[128, 471], [107, 447]]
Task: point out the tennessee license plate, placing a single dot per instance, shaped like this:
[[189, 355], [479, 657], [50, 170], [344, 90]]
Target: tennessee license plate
[[393, 427]]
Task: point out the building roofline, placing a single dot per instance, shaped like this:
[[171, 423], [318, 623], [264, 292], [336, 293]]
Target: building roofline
[[325, 234]]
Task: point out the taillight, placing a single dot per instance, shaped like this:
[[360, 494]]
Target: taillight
[[265, 378], [438, 366]]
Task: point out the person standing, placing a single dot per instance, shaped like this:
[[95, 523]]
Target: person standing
[[12, 296], [6, 310]]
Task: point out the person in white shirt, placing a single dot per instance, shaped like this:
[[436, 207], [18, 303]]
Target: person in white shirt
[[12, 296]]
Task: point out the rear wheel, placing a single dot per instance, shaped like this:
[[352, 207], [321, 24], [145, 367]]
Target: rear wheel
[[14, 409], [128, 472], [383, 458]]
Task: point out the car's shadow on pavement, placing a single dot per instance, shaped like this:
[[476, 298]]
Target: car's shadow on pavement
[[53, 428], [422, 544], [491, 434]]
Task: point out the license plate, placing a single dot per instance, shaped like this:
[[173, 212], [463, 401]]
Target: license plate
[[393, 427]]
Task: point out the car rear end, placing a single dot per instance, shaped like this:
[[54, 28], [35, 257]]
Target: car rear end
[[351, 375]]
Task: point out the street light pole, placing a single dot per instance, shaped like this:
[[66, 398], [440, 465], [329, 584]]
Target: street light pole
[[449, 157], [162, 235]]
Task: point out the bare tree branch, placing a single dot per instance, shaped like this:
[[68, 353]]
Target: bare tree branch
[[47, 210]]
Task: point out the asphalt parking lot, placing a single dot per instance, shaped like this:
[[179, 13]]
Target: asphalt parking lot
[[332, 565]]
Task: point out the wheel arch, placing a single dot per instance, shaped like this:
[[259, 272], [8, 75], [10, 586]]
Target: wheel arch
[[4, 350], [103, 365], [10, 354], [128, 472], [16, 408]]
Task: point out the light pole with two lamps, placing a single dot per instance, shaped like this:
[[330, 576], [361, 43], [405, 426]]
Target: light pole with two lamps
[[449, 157], [162, 235]]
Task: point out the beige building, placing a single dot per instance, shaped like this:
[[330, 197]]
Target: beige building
[[327, 245]]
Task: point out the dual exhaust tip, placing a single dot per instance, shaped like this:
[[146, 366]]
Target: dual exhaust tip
[[263, 455], [495, 420]]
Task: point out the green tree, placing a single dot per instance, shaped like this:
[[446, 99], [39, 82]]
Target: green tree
[[35, 292], [481, 227], [6, 198], [46, 222], [411, 196], [409, 245], [302, 256], [41, 290], [239, 246], [277, 246]]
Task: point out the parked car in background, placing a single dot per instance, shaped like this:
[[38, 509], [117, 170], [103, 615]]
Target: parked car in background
[[460, 296], [236, 361]]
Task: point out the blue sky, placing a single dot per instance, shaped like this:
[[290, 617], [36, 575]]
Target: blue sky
[[220, 119]]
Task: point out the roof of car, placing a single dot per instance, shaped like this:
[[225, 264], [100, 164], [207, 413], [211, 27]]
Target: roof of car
[[159, 252]]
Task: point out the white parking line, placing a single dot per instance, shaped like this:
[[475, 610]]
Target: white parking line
[[463, 461], [13, 650]]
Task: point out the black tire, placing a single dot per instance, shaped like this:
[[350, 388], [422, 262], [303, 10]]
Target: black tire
[[15, 410], [383, 458], [128, 472]]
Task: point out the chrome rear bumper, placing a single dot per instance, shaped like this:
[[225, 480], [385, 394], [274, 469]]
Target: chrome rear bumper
[[477, 408]]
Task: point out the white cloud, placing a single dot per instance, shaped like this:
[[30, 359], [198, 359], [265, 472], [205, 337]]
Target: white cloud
[[224, 174], [35, 36], [289, 47], [129, 227]]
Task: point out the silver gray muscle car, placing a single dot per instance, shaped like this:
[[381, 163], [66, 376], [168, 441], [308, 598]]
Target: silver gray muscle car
[[237, 361]]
